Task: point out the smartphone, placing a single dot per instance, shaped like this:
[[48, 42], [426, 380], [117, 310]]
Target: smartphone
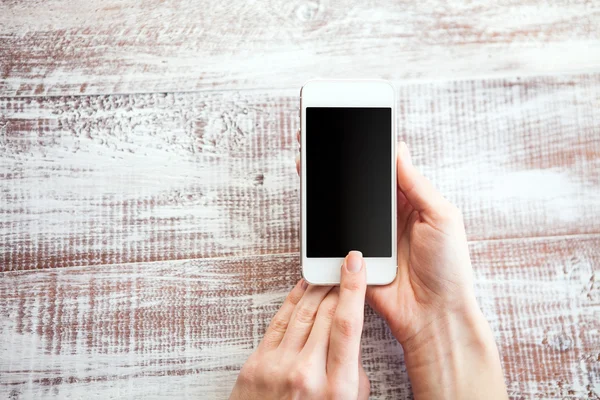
[[348, 178]]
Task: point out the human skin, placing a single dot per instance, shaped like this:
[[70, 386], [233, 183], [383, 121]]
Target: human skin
[[311, 349], [430, 307]]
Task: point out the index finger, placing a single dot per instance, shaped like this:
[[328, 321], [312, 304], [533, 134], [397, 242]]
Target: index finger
[[280, 321], [346, 328]]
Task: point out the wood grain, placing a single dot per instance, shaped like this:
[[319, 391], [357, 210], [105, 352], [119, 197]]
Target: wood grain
[[91, 180], [184, 328], [149, 201], [65, 48]]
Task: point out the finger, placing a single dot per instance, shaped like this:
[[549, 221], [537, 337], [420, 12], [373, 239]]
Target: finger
[[298, 155], [404, 210], [303, 318], [364, 386], [346, 329], [417, 189], [280, 321], [318, 340]]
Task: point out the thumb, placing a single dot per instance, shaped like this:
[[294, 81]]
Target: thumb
[[417, 189]]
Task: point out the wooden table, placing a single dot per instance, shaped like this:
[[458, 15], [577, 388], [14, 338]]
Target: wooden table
[[149, 201]]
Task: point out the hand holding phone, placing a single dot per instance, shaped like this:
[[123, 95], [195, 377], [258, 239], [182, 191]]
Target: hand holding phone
[[430, 306], [311, 349]]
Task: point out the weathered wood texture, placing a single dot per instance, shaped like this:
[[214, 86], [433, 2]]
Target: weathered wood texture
[[184, 328], [123, 178], [80, 46], [107, 194]]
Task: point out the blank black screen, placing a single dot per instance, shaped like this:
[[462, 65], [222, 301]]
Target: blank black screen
[[348, 181]]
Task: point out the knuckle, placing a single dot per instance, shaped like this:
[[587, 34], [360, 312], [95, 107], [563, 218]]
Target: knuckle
[[269, 371], [330, 310], [347, 326], [246, 375], [329, 306], [271, 339], [303, 381], [305, 314], [294, 297], [353, 285], [279, 324], [249, 372]]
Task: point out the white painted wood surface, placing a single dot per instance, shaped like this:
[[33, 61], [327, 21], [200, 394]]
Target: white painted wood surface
[[149, 200], [103, 47], [113, 179], [183, 328], [93, 182]]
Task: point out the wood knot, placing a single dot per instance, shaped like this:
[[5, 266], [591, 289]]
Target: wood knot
[[307, 11]]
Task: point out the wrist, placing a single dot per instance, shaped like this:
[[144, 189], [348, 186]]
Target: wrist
[[450, 329], [444, 356]]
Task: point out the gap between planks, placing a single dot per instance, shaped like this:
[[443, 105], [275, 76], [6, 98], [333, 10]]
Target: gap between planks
[[395, 83]]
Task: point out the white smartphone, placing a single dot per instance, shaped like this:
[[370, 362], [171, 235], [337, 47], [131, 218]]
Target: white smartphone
[[348, 178]]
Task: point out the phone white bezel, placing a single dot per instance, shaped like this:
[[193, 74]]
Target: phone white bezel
[[347, 93]]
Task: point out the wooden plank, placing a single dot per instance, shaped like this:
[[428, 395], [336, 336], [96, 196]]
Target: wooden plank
[[113, 179], [184, 328], [64, 48]]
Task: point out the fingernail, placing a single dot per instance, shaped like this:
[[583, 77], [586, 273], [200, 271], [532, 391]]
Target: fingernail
[[404, 153], [304, 284], [354, 261]]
